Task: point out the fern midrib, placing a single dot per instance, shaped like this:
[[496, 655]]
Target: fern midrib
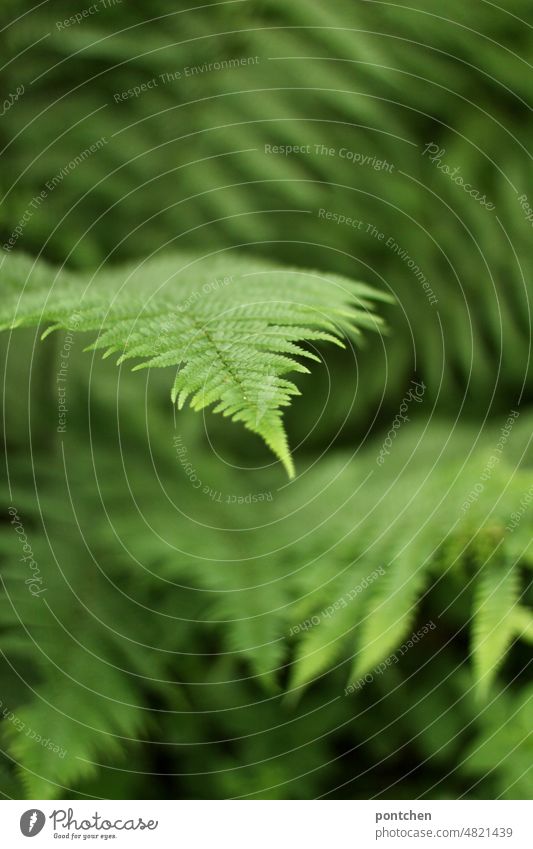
[[227, 366]]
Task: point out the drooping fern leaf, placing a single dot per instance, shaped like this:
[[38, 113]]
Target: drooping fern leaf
[[232, 326], [494, 625]]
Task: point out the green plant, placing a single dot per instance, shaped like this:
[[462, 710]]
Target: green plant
[[232, 326], [86, 654]]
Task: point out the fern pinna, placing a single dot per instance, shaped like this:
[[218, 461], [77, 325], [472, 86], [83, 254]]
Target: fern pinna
[[233, 326]]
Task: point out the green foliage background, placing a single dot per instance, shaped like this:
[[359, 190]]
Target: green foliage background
[[167, 660]]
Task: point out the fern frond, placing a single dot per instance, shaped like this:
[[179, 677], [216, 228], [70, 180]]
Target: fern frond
[[232, 326], [494, 626], [522, 622], [503, 748], [419, 535]]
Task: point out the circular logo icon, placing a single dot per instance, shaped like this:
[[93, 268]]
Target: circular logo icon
[[32, 822]]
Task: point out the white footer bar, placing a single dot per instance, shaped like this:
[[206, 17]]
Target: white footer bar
[[268, 824]]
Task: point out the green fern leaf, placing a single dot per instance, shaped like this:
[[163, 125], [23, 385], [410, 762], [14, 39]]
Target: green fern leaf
[[503, 746], [232, 326], [522, 623], [494, 624], [389, 613], [61, 736]]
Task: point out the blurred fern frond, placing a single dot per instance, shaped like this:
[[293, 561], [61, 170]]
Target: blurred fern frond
[[222, 611]]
